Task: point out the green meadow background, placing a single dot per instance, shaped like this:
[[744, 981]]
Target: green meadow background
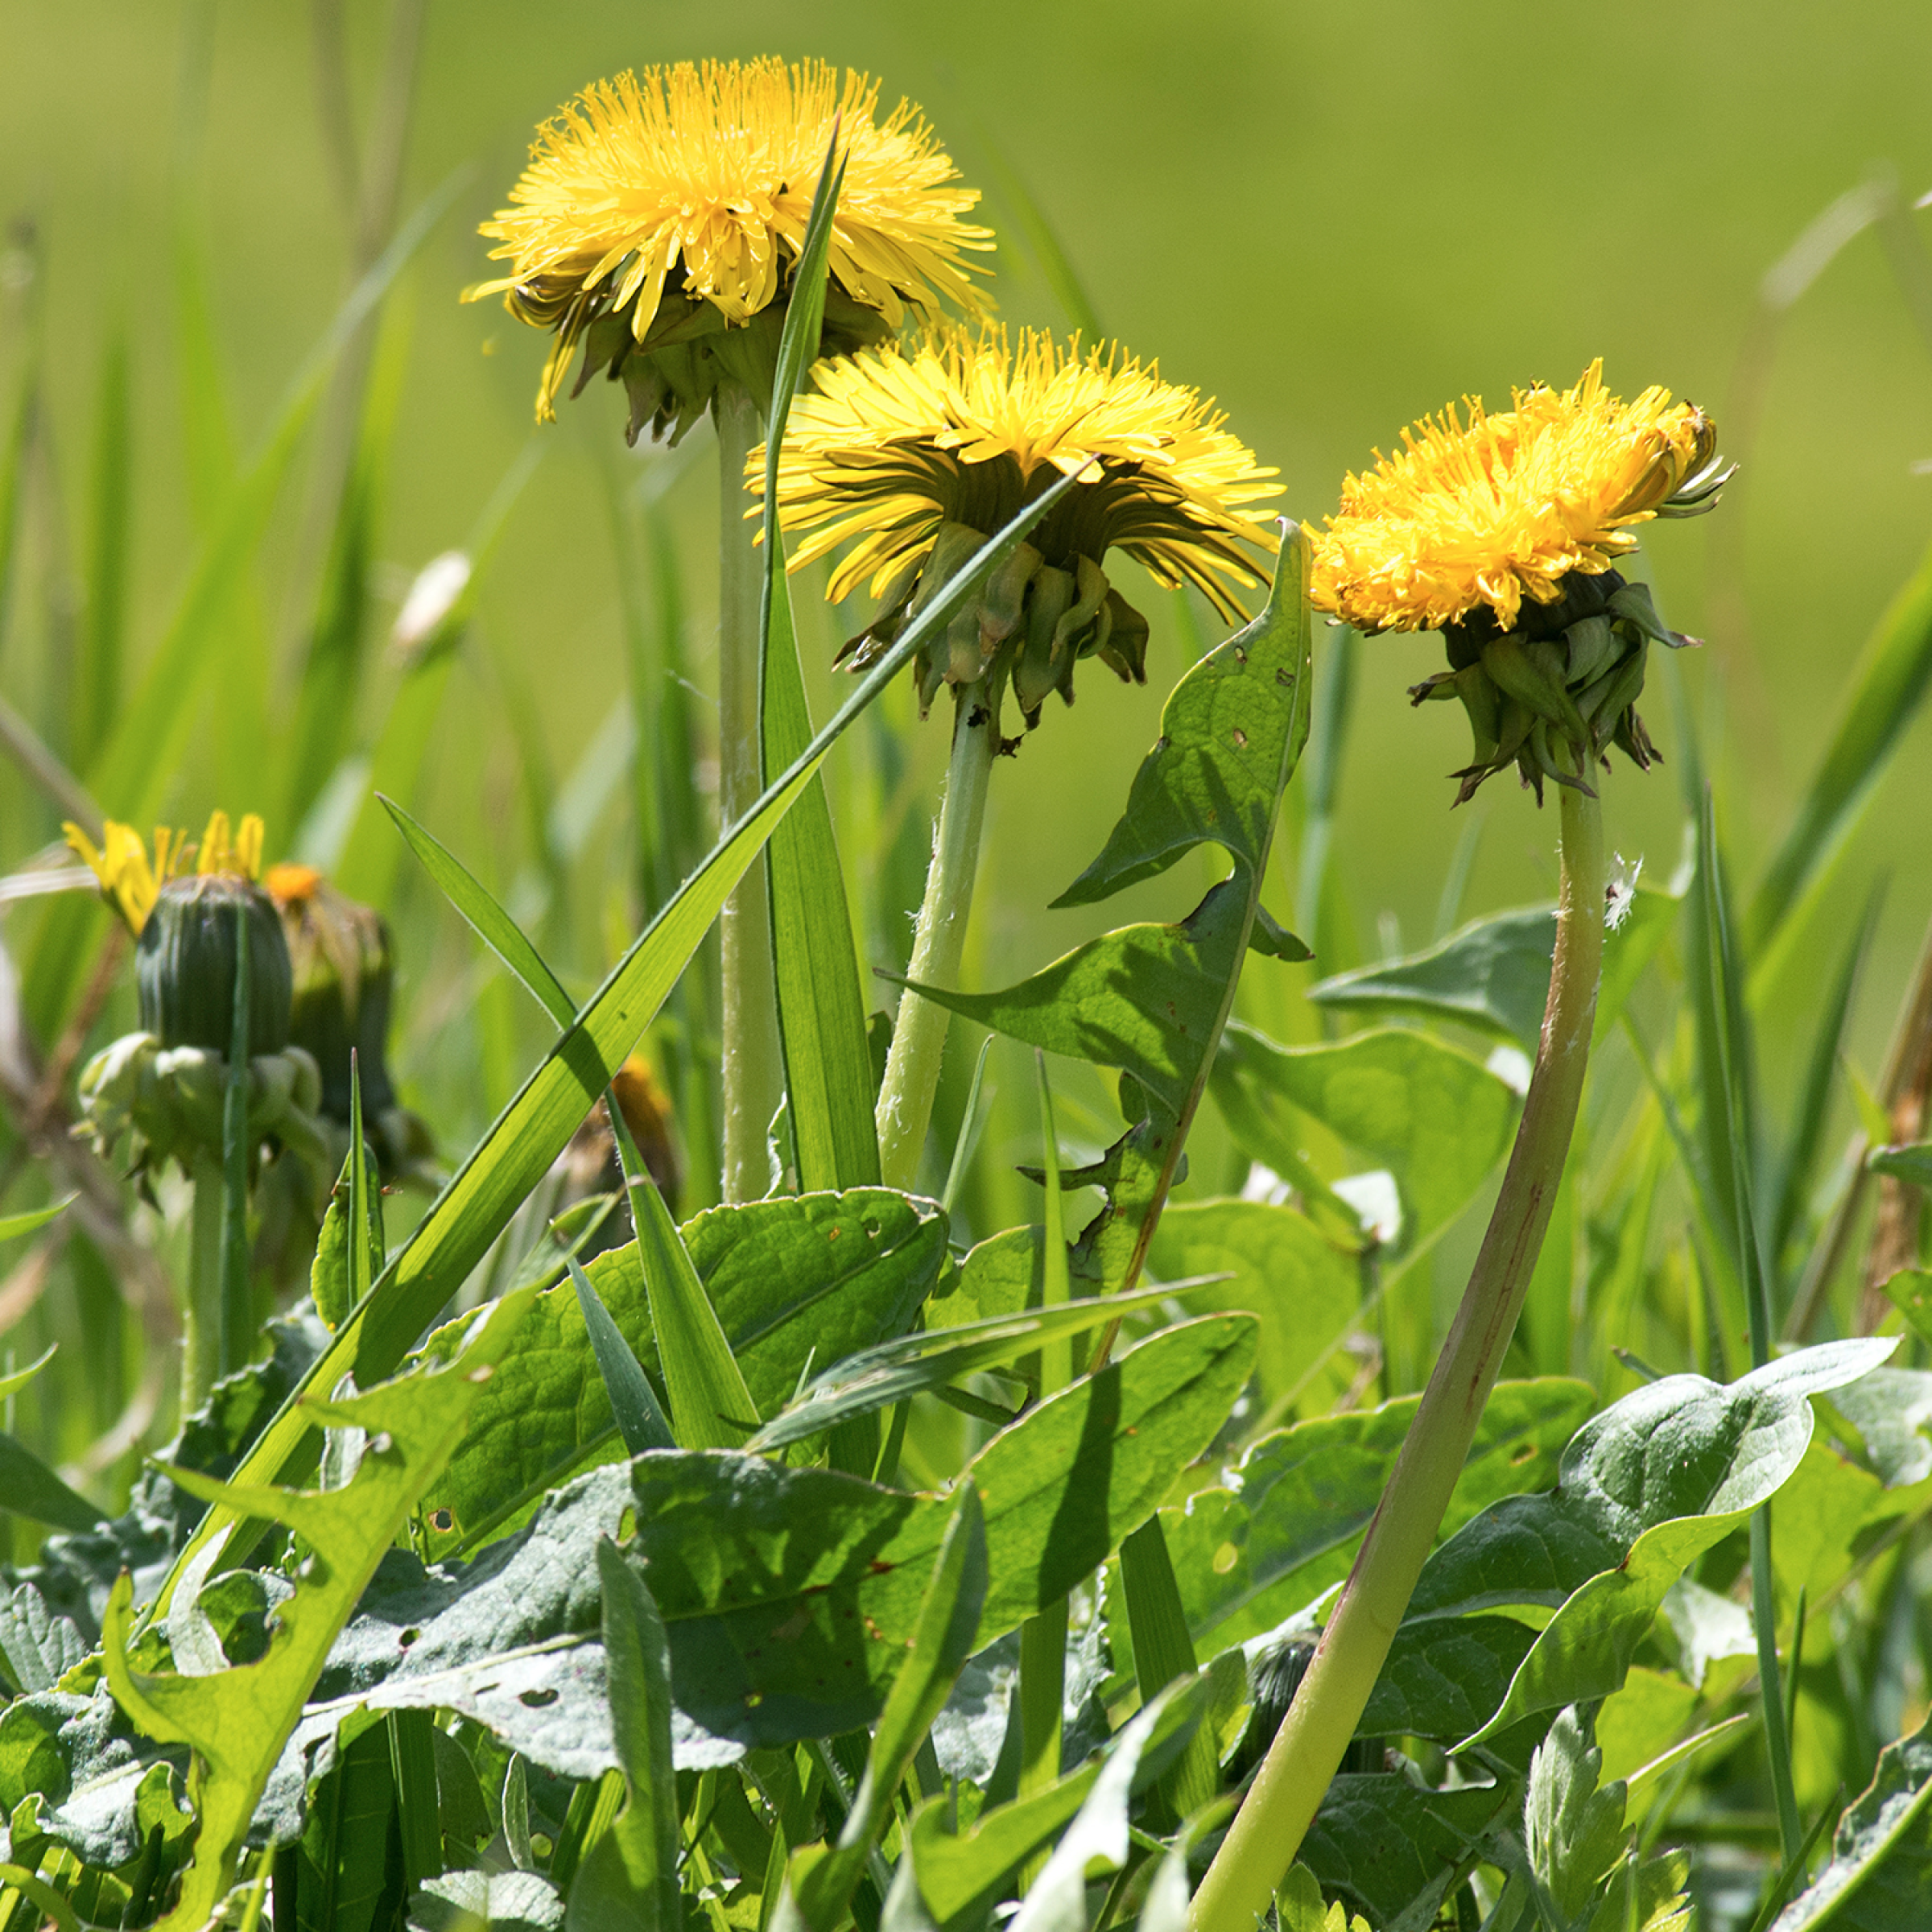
[[1331, 218]]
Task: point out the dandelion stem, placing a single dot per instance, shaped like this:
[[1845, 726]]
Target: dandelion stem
[[918, 1033], [1308, 1749], [201, 1317], [749, 1021]]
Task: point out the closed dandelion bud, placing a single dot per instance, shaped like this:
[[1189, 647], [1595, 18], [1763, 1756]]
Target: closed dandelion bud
[[185, 963], [165, 1087], [657, 222], [1504, 533], [915, 455]]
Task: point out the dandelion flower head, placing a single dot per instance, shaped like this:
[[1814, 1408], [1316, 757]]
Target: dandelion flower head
[[1503, 507], [653, 197], [911, 455]]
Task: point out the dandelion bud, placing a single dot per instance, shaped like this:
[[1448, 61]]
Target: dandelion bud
[[185, 964]]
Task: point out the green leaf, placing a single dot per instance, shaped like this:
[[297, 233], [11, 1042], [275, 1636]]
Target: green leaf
[[1441, 1680], [1646, 1487], [342, 1868], [1573, 1829], [1679, 1447], [1436, 1120], [1271, 1543], [1056, 1902], [1889, 684], [237, 1720], [821, 1887], [793, 1279], [1910, 1163], [1910, 1290], [640, 1421], [473, 1210], [13, 1383], [950, 1874], [1147, 999], [915, 1363], [788, 1592], [1493, 974], [13, 1226], [1231, 733], [821, 1002], [1879, 1876], [629, 1877], [1282, 1268], [1378, 1840], [704, 1382], [500, 1902]]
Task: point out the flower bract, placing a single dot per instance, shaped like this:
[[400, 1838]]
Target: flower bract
[[661, 212], [911, 457]]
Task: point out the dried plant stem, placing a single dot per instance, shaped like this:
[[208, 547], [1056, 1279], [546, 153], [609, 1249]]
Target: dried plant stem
[[919, 1035], [749, 1018], [1308, 1749]]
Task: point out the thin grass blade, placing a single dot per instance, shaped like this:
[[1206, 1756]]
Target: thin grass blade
[[821, 1003], [914, 1364], [640, 1421]]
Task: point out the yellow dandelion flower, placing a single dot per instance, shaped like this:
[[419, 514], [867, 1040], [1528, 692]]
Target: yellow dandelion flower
[[1505, 534], [131, 883], [912, 455], [1506, 506], [667, 207]]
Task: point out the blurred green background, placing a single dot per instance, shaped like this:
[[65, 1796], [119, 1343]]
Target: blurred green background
[[1331, 219]]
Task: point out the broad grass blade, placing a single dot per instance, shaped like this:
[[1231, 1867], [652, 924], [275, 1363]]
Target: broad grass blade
[[821, 1003], [514, 1155]]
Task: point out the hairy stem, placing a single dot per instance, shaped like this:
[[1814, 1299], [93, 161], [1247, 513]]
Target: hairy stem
[[1308, 1749], [918, 1033], [748, 1022]]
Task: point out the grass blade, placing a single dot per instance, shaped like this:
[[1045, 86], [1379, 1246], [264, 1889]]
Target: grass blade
[[913, 1363], [475, 1207], [640, 1421], [33, 1490], [1800, 1162], [109, 544], [704, 1382], [1888, 689], [821, 1003], [13, 1226], [133, 769], [483, 916], [332, 676]]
